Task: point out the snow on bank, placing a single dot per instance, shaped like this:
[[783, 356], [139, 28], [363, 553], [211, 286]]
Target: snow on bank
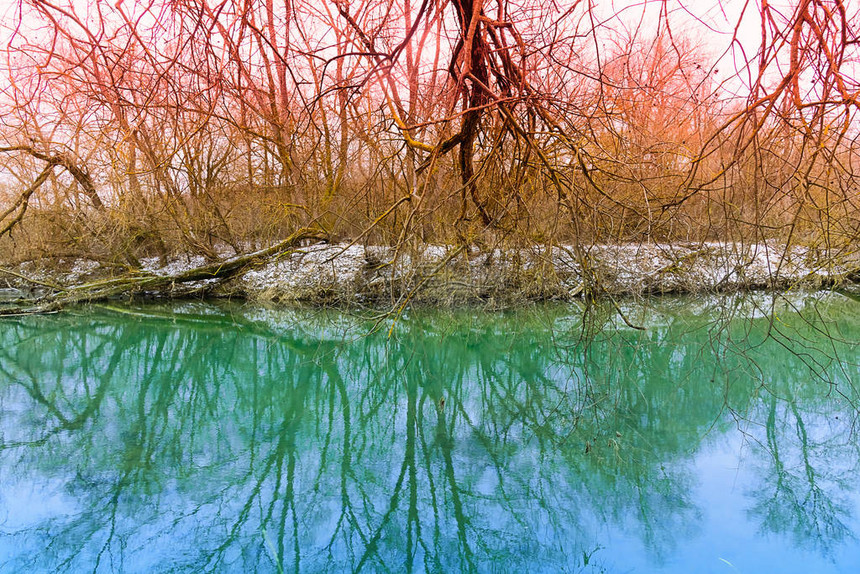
[[445, 275], [439, 274]]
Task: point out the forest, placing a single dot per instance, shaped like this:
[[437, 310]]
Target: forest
[[228, 129]]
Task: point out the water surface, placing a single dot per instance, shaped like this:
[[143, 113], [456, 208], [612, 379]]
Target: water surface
[[226, 438]]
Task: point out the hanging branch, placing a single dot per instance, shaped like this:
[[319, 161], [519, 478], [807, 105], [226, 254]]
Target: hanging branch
[[23, 201], [81, 175]]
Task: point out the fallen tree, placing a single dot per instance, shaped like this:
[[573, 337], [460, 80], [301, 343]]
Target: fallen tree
[[59, 297]]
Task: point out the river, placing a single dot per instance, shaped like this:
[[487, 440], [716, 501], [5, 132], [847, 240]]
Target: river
[[675, 434]]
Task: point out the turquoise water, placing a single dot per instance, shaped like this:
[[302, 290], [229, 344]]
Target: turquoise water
[[195, 437]]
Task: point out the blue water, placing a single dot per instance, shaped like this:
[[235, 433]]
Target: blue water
[[719, 437]]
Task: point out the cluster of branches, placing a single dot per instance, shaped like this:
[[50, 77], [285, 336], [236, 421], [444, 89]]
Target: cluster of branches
[[205, 123]]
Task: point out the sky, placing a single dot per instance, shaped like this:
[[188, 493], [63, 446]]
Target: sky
[[729, 31]]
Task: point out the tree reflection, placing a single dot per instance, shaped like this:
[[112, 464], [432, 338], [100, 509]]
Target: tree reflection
[[209, 438], [804, 488]]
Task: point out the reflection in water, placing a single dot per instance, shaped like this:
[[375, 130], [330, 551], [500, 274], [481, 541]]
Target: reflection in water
[[224, 438]]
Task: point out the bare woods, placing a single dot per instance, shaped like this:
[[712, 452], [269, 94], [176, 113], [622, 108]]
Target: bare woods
[[220, 128]]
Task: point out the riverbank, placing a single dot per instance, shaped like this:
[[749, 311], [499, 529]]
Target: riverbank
[[344, 274]]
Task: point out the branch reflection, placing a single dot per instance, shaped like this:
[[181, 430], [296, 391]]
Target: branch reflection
[[226, 438]]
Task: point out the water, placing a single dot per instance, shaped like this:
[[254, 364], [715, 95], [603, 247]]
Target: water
[[215, 437]]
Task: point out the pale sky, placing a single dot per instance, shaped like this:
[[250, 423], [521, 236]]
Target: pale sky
[[687, 16], [708, 22]]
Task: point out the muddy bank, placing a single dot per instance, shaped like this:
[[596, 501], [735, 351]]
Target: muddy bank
[[353, 274]]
